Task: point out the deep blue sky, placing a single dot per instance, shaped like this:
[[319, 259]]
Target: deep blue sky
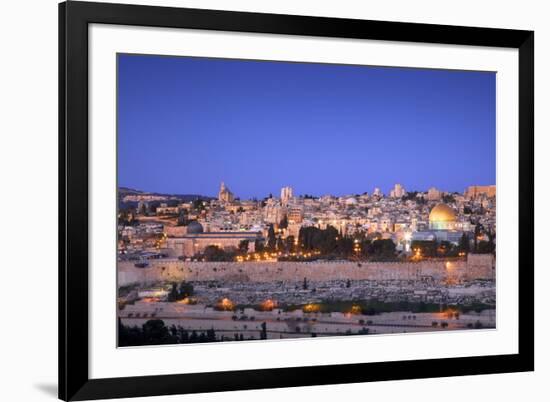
[[186, 124]]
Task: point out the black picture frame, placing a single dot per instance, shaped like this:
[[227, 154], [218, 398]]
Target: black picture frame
[[74, 381]]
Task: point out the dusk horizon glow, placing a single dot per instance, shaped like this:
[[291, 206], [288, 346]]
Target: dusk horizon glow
[[187, 124]]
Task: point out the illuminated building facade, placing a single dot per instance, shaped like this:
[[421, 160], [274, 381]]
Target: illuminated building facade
[[225, 195], [398, 191], [286, 195], [443, 226], [475, 191], [433, 194], [194, 240]]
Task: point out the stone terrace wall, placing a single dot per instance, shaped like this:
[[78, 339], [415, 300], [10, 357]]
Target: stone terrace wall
[[176, 270]]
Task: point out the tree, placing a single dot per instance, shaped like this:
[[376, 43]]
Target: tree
[[198, 204], [485, 247], [215, 253], [344, 246], [186, 289], [491, 243], [182, 218], [289, 244], [280, 244], [258, 245], [446, 248], [210, 335], [142, 208], [448, 199], [243, 246], [173, 295], [477, 232], [314, 239], [122, 332], [464, 243], [382, 249], [271, 239], [427, 248], [410, 196], [156, 333]]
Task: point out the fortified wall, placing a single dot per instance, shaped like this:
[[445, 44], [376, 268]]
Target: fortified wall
[[477, 266]]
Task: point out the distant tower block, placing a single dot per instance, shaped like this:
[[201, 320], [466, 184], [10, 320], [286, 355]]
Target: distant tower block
[[225, 195], [476, 191], [398, 191], [286, 195], [434, 194], [377, 192]]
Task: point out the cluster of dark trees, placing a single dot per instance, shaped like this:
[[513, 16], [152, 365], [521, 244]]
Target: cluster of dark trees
[[378, 250], [275, 242], [185, 289], [198, 204], [183, 219], [434, 248], [483, 246], [217, 254], [155, 332], [330, 243], [326, 241], [375, 307], [413, 196]]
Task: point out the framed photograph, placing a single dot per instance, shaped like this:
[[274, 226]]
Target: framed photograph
[[257, 200]]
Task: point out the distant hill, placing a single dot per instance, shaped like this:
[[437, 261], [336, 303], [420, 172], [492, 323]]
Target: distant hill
[[126, 190], [123, 191]]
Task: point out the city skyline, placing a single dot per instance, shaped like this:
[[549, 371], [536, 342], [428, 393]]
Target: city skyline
[[322, 129], [275, 192]]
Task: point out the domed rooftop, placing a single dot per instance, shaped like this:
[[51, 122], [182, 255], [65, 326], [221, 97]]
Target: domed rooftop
[[194, 227], [442, 213]]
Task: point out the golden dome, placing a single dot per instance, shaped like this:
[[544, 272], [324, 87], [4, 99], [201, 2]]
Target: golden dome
[[442, 213]]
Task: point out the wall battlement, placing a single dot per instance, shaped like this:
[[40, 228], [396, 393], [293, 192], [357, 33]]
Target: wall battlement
[[477, 266]]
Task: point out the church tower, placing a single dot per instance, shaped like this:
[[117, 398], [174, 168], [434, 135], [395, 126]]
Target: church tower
[[225, 195]]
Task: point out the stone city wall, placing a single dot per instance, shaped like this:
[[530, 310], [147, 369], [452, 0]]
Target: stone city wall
[[476, 267]]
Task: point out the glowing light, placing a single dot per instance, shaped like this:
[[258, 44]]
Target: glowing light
[[311, 308], [150, 299], [268, 305], [186, 300], [225, 304], [355, 309]]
